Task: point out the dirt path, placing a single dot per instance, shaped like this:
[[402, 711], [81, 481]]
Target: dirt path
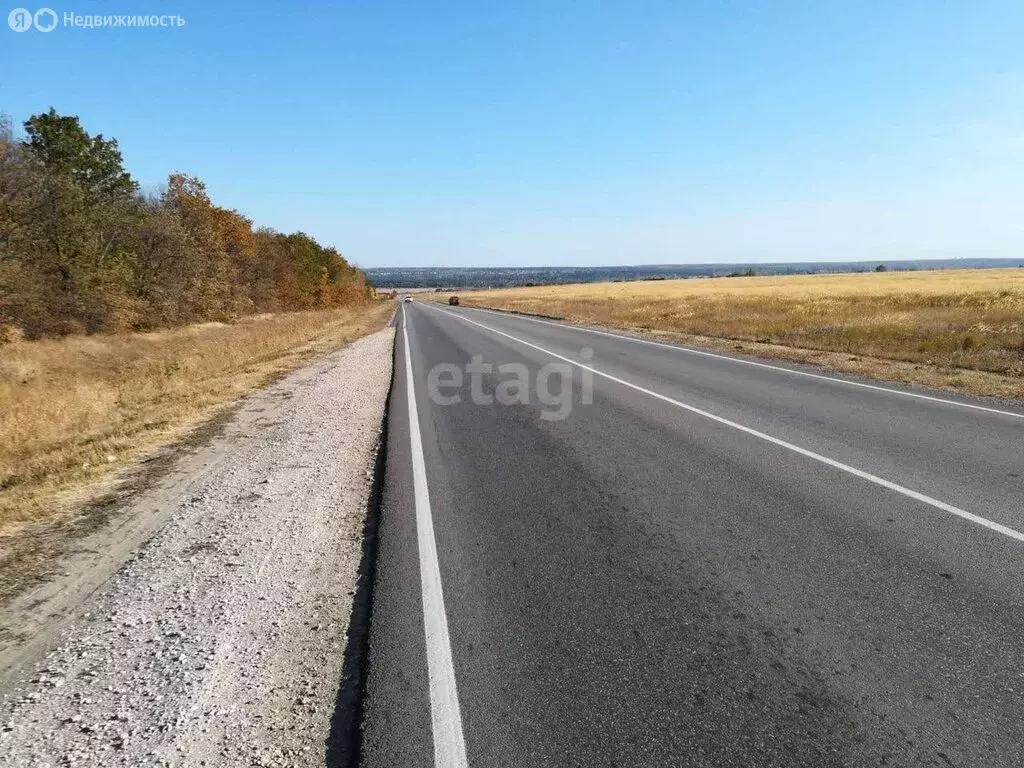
[[221, 641]]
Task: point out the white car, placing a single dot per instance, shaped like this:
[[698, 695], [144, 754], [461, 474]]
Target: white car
[[407, 297]]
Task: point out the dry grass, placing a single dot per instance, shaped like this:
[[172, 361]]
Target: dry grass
[[76, 410], [959, 329]]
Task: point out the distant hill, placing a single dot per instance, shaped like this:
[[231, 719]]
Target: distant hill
[[496, 277]]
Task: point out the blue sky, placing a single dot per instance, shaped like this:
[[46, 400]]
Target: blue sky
[[537, 133]]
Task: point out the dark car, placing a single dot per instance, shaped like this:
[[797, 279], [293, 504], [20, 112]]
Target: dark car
[[453, 301]]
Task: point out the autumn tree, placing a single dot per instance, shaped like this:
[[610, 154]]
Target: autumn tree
[[23, 295], [82, 250]]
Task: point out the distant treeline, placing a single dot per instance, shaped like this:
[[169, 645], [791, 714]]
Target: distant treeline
[[501, 277], [81, 250]]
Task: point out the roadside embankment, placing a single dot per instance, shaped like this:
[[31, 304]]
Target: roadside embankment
[[220, 641], [79, 414]]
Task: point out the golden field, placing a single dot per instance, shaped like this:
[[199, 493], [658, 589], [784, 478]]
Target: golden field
[[958, 329], [74, 411]]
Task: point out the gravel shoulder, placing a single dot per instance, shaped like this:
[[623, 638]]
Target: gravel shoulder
[[209, 625]]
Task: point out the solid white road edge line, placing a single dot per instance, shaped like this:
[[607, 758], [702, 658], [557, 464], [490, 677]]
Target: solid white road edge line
[[446, 719], [783, 369], [990, 524]]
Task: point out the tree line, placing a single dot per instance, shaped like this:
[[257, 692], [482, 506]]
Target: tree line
[[83, 251]]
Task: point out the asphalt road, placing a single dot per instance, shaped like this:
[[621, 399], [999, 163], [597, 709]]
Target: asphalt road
[[713, 563]]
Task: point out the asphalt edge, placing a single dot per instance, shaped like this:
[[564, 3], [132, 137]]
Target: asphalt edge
[[519, 312], [343, 746]]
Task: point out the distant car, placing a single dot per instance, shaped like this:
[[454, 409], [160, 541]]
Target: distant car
[[407, 297], [453, 301]]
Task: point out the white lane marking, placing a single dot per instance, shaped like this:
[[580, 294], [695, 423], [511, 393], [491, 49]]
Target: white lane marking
[[449, 745], [754, 363], [983, 521]]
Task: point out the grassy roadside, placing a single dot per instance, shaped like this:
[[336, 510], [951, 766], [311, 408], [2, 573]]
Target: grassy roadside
[[957, 329], [76, 411]]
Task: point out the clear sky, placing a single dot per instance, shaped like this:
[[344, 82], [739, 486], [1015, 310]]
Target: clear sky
[[551, 133]]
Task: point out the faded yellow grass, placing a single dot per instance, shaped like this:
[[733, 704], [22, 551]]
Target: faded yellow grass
[[74, 411], [960, 329]]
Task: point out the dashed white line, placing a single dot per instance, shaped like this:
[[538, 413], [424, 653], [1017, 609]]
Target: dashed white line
[[446, 718], [769, 366], [978, 519]]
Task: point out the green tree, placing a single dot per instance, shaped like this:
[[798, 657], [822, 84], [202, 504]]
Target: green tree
[[93, 163], [85, 221]]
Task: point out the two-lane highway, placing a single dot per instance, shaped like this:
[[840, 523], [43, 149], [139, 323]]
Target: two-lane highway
[[711, 563]]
